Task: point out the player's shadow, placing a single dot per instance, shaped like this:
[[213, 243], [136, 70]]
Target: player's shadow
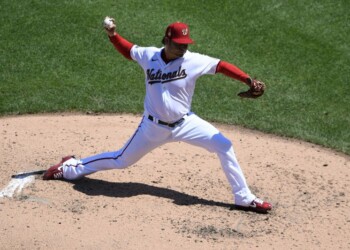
[[95, 187]]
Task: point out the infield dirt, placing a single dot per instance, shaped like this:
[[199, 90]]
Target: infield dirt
[[176, 197]]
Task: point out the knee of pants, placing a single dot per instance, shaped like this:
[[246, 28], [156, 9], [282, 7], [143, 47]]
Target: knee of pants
[[124, 162], [220, 143]]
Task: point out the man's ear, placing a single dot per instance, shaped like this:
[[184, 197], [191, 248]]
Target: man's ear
[[166, 40]]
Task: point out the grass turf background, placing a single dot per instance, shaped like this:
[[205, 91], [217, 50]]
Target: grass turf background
[[56, 57]]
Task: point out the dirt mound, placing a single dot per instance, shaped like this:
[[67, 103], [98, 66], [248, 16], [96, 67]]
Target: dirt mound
[[176, 197]]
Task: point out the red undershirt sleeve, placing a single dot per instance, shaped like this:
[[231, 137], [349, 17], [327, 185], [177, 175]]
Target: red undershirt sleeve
[[122, 45], [232, 71]]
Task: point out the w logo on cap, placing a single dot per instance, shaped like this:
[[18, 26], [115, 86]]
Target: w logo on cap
[[179, 33]]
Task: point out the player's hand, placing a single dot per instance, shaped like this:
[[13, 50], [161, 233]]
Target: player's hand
[[109, 25], [257, 89]]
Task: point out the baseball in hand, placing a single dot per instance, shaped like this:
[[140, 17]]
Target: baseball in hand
[[108, 22]]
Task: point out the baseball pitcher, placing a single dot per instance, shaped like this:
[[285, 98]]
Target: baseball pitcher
[[170, 78]]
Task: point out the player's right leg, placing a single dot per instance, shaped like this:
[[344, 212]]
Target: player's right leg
[[147, 137]]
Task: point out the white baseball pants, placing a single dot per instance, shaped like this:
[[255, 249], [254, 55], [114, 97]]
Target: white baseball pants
[[150, 135]]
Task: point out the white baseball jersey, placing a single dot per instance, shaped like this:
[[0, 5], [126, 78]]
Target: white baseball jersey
[[170, 87]]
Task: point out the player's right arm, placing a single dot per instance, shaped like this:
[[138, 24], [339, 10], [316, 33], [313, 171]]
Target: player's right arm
[[119, 42]]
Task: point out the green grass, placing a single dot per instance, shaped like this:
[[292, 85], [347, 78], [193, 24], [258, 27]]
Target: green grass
[[55, 57]]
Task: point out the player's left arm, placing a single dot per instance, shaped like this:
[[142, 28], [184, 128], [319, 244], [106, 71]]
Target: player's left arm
[[233, 71], [256, 87]]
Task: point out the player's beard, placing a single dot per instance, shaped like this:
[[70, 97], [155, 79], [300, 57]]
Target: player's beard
[[180, 52]]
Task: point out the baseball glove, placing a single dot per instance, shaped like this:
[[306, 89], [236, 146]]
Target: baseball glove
[[256, 90]]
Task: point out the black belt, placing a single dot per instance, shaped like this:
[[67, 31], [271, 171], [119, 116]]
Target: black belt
[[171, 125]]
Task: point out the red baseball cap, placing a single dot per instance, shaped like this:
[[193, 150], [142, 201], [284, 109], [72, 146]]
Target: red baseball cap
[[179, 33]]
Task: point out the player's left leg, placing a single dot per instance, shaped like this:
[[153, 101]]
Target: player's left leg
[[199, 132]]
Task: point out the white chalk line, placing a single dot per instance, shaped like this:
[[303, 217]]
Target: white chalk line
[[16, 185]]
